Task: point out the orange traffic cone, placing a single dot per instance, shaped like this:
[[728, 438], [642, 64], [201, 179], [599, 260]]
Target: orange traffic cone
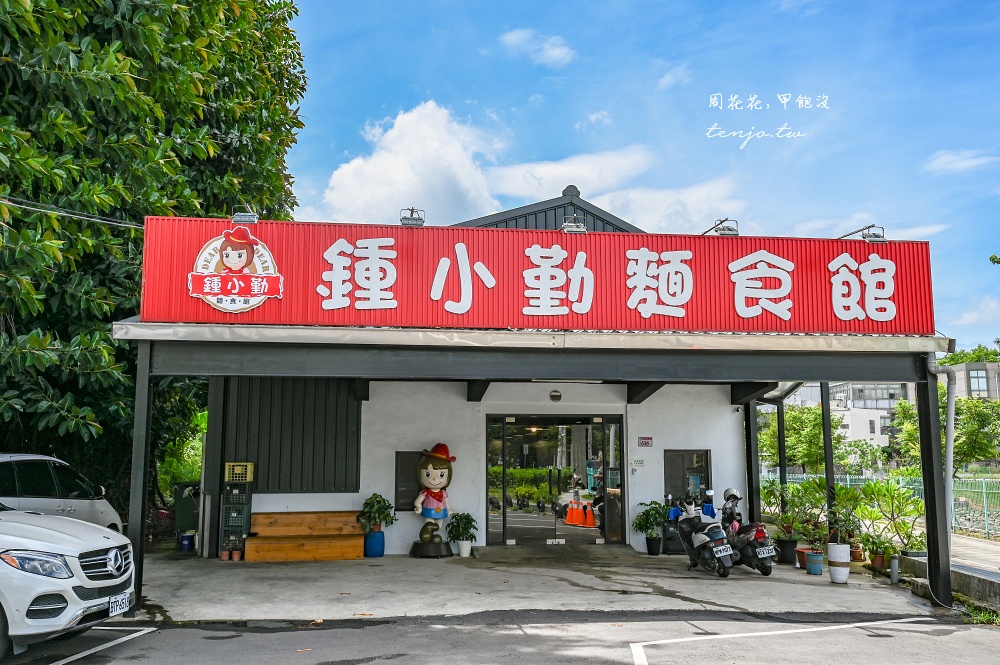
[[572, 515], [588, 519]]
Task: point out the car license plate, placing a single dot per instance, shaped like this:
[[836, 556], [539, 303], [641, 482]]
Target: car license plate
[[118, 604], [766, 551], [722, 550]]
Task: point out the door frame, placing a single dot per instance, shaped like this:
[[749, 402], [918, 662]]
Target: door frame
[[590, 416]]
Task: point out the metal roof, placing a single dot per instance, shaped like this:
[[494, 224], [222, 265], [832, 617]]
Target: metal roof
[[549, 215]]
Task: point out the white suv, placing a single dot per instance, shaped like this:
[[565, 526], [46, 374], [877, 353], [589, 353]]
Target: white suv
[[51, 487], [58, 576]]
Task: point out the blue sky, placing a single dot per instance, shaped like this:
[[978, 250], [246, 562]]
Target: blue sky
[[466, 108]]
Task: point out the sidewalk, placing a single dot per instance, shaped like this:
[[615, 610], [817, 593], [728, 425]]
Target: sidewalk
[[179, 587]]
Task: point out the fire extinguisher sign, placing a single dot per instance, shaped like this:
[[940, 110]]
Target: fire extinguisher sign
[[645, 442]]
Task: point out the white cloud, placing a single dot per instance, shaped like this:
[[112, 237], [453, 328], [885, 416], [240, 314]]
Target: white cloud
[[550, 52], [678, 74], [985, 310], [801, 7], [593, 173], [423, 157], [915, 232], [536, 99], [687, 210], [598, 119], [834, 228], [955, 161]]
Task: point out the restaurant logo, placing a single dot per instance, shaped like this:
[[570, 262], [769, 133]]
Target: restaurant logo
[[235, 272]]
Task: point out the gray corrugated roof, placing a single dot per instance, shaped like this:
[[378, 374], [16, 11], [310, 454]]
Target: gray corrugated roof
[[548, 215]]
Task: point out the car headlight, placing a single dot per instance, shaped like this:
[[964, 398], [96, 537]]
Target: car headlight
[[39, 563]]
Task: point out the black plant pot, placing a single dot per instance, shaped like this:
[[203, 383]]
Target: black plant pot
[[786, 550], [653, 545]]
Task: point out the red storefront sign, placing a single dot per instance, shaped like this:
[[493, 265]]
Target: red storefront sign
[[301, 273]]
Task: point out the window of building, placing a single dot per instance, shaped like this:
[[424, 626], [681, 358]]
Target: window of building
[[871, 426], [977, 383], [885, 425]]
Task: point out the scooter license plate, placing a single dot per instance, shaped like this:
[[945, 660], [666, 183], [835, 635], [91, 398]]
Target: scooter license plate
[[766, 551], [722, 550]]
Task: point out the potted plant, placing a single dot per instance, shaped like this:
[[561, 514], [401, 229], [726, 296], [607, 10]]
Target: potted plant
[[650, 522], [375, 512], [843, 525], [815, 533], [461, 529]]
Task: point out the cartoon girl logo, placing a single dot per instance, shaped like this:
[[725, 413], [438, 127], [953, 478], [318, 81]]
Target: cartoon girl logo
[[235, 272], [237, 251]]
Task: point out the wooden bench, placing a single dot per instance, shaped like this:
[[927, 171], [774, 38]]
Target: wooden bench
[[305, 536]]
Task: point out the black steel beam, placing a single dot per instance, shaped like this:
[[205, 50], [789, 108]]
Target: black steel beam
[[742, 393], [362, 389], [476, 363], [782, 455], [831, 490], [640, 391], [212, 455], [753, 461], [936, 513], [476, 390], [142, 414]]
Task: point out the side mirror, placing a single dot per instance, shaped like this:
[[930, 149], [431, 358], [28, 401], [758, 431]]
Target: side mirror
[[101, 492]]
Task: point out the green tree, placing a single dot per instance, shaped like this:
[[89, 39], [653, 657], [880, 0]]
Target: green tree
[[977, 429], [122, 109], [803, 437], [980, 354]]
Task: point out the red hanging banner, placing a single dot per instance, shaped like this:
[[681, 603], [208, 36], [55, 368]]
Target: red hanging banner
[[299, 273]]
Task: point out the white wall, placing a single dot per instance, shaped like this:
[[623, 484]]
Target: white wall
[[683, 417], [416, 415]]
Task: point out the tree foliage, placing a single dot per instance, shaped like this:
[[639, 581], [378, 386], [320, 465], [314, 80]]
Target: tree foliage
[[803, 437], [980, 354], [122, 109], [977, 429]]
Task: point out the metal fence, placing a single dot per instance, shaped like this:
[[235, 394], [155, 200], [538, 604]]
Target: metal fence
[[977, 500]]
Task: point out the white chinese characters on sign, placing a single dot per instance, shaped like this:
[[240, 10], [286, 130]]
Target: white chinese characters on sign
[[878, 277], [374, 273], [658, 288], [544, 280], [464, 303], [749, 274]]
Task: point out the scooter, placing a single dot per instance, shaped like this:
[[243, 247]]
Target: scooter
[[705, 542], [752, 543]]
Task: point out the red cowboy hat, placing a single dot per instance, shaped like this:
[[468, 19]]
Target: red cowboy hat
[[440, 451], [240, 234]]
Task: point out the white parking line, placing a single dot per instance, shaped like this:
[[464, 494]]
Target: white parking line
[[639, 652], [139, 633]]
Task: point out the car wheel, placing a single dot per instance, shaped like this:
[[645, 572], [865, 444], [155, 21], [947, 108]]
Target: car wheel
[[4, 636]]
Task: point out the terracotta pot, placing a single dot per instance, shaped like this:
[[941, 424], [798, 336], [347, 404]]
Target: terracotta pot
[[878, 560], [224, 555], [857, 554], [237, 555], [800, 556]]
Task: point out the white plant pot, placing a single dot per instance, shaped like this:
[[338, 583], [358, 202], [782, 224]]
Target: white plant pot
[[838, 558], [464, 548]]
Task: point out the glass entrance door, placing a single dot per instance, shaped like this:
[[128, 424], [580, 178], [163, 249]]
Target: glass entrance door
[[554, 480]]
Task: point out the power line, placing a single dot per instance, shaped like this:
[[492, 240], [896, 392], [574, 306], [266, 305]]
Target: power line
[[63, 212]]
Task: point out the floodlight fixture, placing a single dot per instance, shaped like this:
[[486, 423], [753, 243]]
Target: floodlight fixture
[[574, 224], [868, 233], [411, 217], [724, 227], [248, 217]]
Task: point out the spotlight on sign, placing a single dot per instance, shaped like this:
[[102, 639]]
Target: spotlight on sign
[[724, 227], [868, 233], [411, 217], [574, 224], [248, 217]]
